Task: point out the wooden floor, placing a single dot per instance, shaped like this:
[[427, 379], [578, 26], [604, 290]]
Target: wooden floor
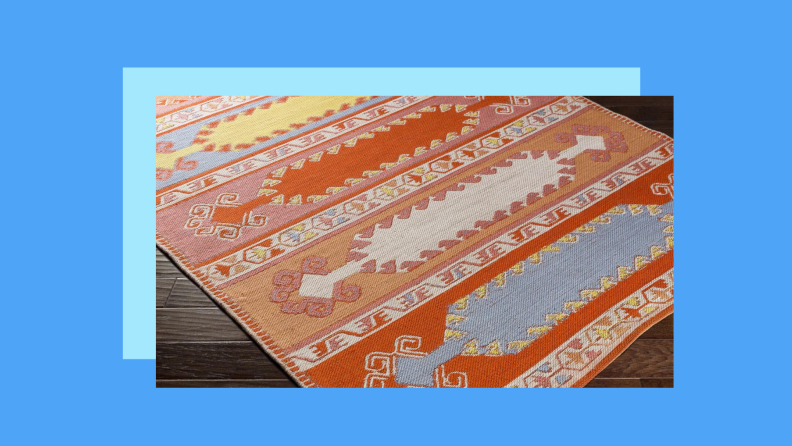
[[198, 345]]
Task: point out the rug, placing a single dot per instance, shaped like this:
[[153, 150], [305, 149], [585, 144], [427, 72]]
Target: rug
[[417, 241]]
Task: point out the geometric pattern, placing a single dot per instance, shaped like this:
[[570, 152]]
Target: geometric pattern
[[421, 241]]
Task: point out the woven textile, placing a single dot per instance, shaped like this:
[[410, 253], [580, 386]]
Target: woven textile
[[416, 241]]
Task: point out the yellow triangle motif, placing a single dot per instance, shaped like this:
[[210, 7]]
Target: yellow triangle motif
[[466, 129], [481, 292], [260, 252], [473, 114], [334, 190], [427, 109], [371, 173], [635, 209], [623, 272], [473, 121], [494, 349], [270, 182], [398, 122], [453, 334], [445, 107], [538, 331], [654, 209], [334, 150], [351, 142], [279, 172], [435, 143], [656, 252], [569, 238], [382, 128], [648, 309], [471, 348], [518, 345], [316, 157], [574, 305], [450, 136], [413, 116], [555, 317], [266, 192], [277, 200], [352, 181], [298, 164], [420, 150], [602, 333], [315, 198], [607, 283], [460, 108], [453, 319], [518, 268], [590, 294], [461, 304], [297, 199]]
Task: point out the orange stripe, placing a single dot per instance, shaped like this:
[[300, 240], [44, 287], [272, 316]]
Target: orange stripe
[[380, 180]]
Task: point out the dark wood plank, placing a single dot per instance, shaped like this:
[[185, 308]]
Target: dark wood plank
[[197, 324], [654, 112], [633, 101], [597, 383], [645, 113], [205, 361], [164, 287], [657, 382], [216, 383], [165, 268], [646, 358], [661, 330], [668, 129], [186, 294]]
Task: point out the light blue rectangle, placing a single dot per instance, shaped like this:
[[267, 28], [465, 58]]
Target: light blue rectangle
[[141, 85]]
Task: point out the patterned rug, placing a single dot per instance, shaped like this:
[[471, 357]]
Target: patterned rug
[[419, 241]]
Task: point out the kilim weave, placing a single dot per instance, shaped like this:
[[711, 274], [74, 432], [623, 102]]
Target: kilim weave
[[417, 241]]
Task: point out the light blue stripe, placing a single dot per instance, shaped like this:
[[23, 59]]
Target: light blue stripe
[[507, 312]]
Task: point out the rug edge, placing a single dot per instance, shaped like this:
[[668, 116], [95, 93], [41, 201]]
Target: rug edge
[[623, 346], [217, 296]]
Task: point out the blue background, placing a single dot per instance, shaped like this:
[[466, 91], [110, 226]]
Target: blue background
[[63, 376]]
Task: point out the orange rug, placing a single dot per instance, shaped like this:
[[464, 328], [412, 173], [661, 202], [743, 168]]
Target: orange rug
[[417, 241]]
